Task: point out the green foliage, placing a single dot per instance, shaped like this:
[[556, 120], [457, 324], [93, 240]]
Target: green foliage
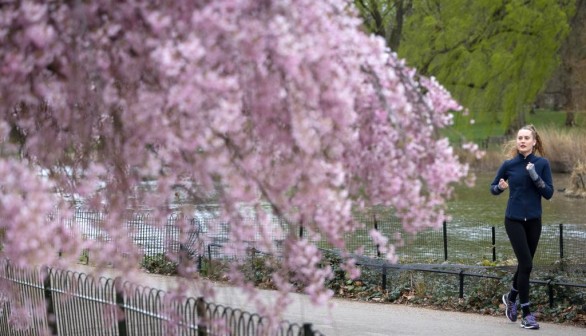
[[438, 290], [214, 269], [159, 264], [259, 269], [494, 58], [481, 294], [84, 258], [333, 260]]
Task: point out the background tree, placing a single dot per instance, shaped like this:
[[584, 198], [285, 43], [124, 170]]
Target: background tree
[[285, 104], [495, 59], [385, 18], [573, 68]]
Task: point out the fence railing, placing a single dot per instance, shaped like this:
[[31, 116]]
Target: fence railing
[[47, 301], [476, 243], [463, 273], [457, 241]]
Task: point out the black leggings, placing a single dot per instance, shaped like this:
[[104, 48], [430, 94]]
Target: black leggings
[[524, 236]]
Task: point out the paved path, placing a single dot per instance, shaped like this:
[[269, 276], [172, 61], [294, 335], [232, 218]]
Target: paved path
[[357, 318], [352, 318]]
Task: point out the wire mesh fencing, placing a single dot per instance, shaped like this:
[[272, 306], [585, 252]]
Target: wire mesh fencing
[[456, 241]]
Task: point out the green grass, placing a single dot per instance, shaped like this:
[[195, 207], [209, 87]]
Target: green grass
[[479, 130], [463, 130], [547, 118]]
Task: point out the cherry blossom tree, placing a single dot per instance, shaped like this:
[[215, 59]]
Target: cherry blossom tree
[[256, 102]]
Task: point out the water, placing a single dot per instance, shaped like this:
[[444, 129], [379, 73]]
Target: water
[[474, 212], [158, 238], [477, 204]]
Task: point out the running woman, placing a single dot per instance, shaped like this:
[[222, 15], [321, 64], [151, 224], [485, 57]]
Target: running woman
[[528, 178]]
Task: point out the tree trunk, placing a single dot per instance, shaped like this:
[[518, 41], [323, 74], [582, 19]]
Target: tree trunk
[[570, 118], [401, 9]]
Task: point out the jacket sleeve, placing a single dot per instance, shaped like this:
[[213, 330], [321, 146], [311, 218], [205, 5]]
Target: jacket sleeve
[[545, 181], [494, 186]]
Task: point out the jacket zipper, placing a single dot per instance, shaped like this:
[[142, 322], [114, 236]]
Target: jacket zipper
[[525, 186]]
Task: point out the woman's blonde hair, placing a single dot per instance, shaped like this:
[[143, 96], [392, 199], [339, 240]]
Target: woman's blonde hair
[[511, 146]]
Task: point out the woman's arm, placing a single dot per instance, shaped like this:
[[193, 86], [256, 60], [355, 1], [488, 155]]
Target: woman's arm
[[494, 186], [544, 181]]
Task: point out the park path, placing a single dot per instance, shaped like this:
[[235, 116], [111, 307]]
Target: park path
[[356, 318]]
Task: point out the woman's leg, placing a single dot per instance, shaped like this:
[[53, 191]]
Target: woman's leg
[[533, 232], [524, 237]]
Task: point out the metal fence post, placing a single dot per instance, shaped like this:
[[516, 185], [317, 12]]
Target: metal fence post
[[51, 318], [210, 267], [376, 228], [384, 277], [200, 307], [119, 299], [182, 252], [561, 241], [493, 244], [307, 330], [550, 293], [445, 241], [461, 284]]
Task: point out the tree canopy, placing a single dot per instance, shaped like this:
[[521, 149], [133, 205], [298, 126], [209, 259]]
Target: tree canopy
[[385, 18], [286, 104], [495, 58]]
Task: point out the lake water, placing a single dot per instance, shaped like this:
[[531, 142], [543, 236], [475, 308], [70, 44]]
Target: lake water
[[474, 212], [477, 204]]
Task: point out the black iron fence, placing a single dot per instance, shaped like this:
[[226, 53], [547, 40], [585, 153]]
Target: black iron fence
[[57, 302], [462, 276], [457, 241], [75, 304], [477, 243]]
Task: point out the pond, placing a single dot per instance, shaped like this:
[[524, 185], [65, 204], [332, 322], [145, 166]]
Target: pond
[[467, 238], [477, 219], [477, 204]]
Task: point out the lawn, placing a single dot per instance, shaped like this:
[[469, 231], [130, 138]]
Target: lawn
[[464, 129]]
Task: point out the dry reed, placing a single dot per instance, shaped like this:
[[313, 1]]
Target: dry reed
[[564, 148]]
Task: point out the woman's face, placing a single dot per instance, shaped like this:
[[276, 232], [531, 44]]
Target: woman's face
[[525, 142]]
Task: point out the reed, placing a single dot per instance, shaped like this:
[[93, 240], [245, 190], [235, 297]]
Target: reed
[[565, 148]]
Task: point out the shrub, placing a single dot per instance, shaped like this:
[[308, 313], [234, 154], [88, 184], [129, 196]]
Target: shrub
[[564, 147], [159, 264], [577, 187]]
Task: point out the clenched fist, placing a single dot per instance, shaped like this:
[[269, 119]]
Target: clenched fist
[[532, 173], [503, 184]]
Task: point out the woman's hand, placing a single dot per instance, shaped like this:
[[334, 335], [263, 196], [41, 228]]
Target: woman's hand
[[532, 172], [503, 184]]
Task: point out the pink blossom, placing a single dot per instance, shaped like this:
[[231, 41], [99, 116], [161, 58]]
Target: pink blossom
[[288, 106]]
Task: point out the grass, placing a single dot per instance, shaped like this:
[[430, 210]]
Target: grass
[[565, 147], [479, 130]]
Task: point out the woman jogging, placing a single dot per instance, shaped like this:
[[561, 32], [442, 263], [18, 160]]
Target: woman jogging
[[528, 178]]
